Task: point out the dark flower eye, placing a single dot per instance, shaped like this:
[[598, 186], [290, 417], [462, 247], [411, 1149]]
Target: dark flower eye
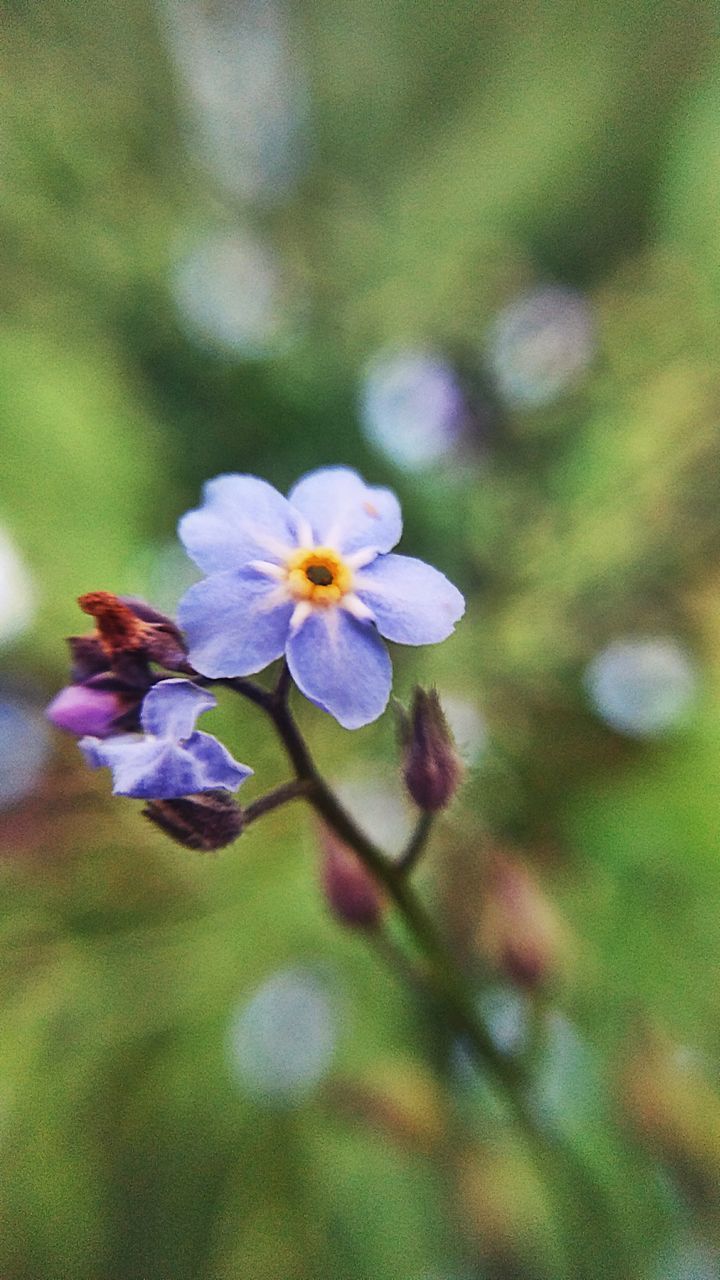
[[319, 575]]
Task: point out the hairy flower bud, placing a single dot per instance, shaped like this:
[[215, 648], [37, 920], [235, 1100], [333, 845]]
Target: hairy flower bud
[[519, 930], [431, 766], [353, 894], [84, 709], [206, 821]]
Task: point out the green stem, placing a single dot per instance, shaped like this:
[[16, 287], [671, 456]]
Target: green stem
[[446, 983], [552, 1157], [295, 789], [415, 845]]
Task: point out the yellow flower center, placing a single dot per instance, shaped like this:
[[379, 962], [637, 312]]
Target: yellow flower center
[[318, 575]]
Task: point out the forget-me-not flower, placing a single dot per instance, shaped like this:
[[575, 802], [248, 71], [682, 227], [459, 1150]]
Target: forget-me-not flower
[[171, 758], [310, 576]]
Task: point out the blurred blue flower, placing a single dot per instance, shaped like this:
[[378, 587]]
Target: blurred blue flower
[[283, 1040], [245, 99], [641, 686], [24, 750], [309, 576], [412, 407], [688, 1260], [172, 759], [467, 724], [231, 296], [541, 344]]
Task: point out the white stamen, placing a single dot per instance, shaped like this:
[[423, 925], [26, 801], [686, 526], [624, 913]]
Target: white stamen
[[354, 605], [304, 532], [279, 595], [268, 569], [360, 558], [300, 614], [332, 623], [279, 550]]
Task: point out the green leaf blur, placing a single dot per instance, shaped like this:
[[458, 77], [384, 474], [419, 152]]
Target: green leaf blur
[[449, 159]]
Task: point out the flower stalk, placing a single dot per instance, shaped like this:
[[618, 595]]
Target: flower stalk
[[558, 1166]]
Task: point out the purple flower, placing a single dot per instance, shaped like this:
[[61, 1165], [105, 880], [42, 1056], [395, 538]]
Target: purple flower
[[172, 759], [309, 576], [86, 709]]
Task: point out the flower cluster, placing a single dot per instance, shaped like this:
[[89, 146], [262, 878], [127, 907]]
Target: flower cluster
[[311, 578]]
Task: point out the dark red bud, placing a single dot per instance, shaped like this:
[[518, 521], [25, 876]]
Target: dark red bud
[[206, 821], [131, 627], [353, 894], [431, 765], [119, 629], [88, 658], [163, 642]]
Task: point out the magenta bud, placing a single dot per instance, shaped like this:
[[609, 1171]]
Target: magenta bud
[[81, 709], [431, 766], [353, 894], [206, 821]]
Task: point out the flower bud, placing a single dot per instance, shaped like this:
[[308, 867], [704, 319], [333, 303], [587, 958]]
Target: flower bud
[[163, 642], [206, 821], [130, 628], [88, 658], [82, 709], [353, 894], [519, 931], [431, 766]]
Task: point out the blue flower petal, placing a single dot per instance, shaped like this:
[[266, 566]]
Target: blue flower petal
[[140, 766], [346, 513], [342, 666], [171, 708], [242, 518], [216, 767], [103, 753], [232, 626], [160, 769], [412, 603]]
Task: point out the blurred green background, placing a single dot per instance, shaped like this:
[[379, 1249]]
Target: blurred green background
[[472, 250]]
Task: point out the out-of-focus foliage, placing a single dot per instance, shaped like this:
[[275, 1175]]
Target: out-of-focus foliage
[[416, 173]]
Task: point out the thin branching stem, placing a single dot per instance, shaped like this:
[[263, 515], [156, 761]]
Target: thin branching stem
[[550, 1154], [416, 844], [445, 981], [295, 789]]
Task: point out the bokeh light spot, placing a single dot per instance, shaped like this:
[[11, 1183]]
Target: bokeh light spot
[[17, 591], [642, 687], [229, 296], [540, 345], [24, 750], [283, 1039], [412, 407]]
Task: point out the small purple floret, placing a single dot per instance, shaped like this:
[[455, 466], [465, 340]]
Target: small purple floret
[[171, 759], [81, 710]]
